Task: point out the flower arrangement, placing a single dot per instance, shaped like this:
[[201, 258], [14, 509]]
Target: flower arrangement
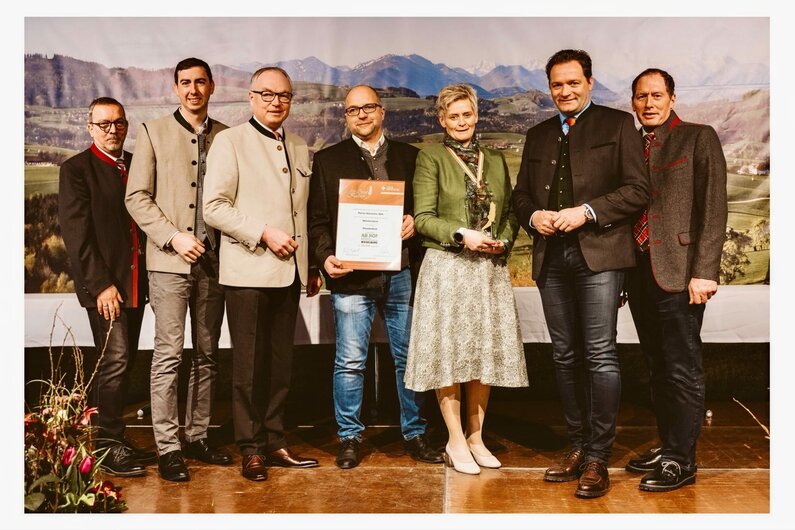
[[62, 472]]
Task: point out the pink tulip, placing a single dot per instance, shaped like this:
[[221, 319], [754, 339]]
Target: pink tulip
[[69, 455], [87, 415], [86, 465]]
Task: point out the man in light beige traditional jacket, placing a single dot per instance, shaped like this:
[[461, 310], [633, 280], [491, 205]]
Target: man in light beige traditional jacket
[[164, 193], [256, 192]]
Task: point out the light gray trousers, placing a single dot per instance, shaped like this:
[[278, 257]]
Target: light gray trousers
[[171, 296]]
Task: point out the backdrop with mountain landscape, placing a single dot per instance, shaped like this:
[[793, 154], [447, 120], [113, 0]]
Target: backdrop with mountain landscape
[[722, 73]]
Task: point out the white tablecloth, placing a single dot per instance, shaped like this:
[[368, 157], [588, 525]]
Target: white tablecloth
[[738, 313]]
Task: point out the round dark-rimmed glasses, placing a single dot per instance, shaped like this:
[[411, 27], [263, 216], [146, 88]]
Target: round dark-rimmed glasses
[[267, 96], [104, 126], [368, 109]]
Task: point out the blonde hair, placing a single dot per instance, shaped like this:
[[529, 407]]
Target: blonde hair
[[452, 93]]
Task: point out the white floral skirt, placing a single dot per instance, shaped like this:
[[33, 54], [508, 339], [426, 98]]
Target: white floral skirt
[[464, 325]]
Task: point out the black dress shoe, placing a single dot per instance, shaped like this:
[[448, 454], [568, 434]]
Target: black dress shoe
[[254, 468], [645, 462], [668, 476], [418, 449], [172, 467], [120, 461], [348, 456], [285, 458], [144, 456], [569, 467], [201, 450], [594, 481]]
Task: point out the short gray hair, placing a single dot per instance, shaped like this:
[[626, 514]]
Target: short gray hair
[[103, 101], [260, 71], [452, 93]]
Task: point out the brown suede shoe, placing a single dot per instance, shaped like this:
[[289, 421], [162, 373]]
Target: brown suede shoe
[[567, 469], [254, 467], [594, 481]]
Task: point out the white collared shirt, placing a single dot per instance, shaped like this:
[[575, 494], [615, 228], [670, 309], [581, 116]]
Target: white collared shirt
[[202, 126], [361, 143]]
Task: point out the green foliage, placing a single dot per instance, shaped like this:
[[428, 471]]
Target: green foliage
[[734, 260], [46, 262]]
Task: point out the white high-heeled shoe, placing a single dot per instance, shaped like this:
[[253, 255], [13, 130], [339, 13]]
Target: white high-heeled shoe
[[469, 468], [489, 460]]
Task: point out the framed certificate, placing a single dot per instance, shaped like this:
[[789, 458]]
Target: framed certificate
[[368, 224]]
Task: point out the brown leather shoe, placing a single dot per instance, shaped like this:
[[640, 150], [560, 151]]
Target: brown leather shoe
[[567, 469], [285, 458], [254, 467], [594, 481]]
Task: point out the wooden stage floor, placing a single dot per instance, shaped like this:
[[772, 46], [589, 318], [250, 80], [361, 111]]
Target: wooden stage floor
[[733, 476]]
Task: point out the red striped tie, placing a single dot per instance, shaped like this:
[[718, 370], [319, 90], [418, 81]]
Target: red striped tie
[[641, 228]]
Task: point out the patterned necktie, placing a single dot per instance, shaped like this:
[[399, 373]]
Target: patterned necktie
[[277, 135], [122, 166], [641, 228]]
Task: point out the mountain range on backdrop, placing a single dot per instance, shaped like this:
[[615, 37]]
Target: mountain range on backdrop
[[62, 81]]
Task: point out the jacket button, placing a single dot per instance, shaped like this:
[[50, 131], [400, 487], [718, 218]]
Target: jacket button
[[193, 140], [293, 190], [284, 170], [192, 184], [560, 139], [279, 147], [193, 162], [191, 206], [190, 229], [554, 162], [295, 214]]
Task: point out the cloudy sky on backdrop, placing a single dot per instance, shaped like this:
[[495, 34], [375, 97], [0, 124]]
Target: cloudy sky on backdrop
[[619, 46]]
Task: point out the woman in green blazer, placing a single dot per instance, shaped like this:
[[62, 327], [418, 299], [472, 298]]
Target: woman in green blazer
[[465, 326]]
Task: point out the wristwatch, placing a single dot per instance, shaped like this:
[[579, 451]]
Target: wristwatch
[[458, 236], [588, 214]]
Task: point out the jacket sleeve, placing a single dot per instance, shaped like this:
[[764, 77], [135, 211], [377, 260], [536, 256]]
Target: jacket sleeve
[[77, 229], [522, 198], [321, 239], [220, 192], [509, 224], [632, 194], [427, 177], [709, 174], [140, 194]]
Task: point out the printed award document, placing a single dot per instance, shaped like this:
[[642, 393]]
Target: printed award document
[[368, 224]]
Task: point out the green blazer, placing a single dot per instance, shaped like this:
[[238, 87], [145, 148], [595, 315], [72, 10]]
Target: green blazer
[[440, 198]]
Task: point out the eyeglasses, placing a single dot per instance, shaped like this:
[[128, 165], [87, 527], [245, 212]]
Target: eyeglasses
[[368, 109], [267, 96], [104, 126]]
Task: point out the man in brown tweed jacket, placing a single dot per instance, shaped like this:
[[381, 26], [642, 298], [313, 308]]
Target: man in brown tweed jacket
[[679, 240]]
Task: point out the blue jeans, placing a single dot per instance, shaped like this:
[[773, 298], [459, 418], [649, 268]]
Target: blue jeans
[[669, 329], [353, 318], [581, 311]]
